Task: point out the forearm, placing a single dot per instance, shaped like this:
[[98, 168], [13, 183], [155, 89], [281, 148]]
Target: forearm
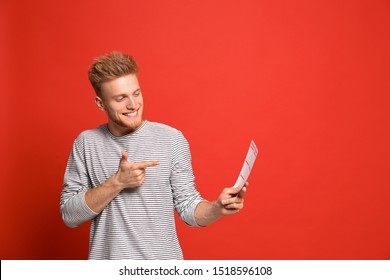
[[207, 213], [100, 196], [85, 205]]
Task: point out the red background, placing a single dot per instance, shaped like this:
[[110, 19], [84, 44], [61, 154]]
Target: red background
[[307, 80]]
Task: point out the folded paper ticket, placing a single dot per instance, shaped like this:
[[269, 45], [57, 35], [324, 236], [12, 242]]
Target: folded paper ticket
[[247, 166]]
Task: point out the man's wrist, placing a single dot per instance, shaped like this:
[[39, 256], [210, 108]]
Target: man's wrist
[[114, 182], [216, 209]]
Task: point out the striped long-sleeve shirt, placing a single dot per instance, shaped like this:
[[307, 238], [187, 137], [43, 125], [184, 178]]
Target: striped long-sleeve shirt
[[137, 223]]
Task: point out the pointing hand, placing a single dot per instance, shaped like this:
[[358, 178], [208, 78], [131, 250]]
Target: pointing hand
[[132, 175]]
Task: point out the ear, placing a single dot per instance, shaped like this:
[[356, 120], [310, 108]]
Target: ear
[[99, 103]]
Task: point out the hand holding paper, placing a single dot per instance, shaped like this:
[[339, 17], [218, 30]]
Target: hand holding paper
[[231, 200]]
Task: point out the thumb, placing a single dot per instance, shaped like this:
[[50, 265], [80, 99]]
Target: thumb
[[124, 158], [235, 190]]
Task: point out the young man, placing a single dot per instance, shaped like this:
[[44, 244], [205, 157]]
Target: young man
[[130, 174]]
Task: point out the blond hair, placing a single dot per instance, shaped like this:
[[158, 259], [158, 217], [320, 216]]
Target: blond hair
[[109, 67]]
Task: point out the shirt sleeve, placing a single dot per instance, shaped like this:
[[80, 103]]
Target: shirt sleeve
[[185, 196], [73, 208]]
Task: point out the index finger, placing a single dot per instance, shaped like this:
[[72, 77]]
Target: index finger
[[145, 164]]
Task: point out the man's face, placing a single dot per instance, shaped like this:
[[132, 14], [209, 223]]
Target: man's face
[[122, 101]]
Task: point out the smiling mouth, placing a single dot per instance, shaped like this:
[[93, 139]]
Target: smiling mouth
[[132, 114]]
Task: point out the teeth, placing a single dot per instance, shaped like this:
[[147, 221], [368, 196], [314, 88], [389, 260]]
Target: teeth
[[131, 114]]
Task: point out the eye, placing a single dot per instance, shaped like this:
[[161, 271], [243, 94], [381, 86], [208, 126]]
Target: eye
[[120, 98], [137, 93]]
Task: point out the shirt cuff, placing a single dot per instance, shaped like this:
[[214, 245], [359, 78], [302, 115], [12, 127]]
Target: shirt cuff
[[76, 211], [190, 215]]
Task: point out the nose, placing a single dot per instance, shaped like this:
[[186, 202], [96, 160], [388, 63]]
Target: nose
[[131, 104]]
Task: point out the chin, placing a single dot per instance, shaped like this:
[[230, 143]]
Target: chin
[[134, 124]]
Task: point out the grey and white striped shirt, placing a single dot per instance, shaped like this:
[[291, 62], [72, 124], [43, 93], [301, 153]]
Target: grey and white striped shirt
[[137, 223]]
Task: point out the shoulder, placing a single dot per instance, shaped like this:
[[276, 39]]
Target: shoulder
[[94, 134], [163, 129], [156, 126]]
